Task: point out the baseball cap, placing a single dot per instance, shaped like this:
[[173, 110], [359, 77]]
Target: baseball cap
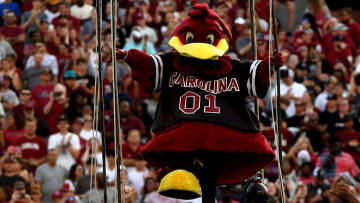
[[348, 118], [338, 38], [78, 120], [9, 160], [332, 97], [18, 185], [63, 117], [340, 26], [57, 194], [319, 173], [46, 71], [308, 31], [139, 15], [67, 187], [70, 74], [240, 21], [137, 33]]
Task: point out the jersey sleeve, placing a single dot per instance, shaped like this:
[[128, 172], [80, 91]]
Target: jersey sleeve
[[147, 70], [255, 75]]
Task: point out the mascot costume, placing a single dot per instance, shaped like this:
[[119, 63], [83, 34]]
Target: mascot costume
[[205, 133]]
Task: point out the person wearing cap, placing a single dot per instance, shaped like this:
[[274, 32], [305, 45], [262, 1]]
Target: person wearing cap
[[328, 119], [340, 52], [139, 40], [9, 176], [318, 186], [350, 138], [7, 96], [64, 10], [343, 30], [57, 196], [66, 142], [33, 147], [9, 5], [19, 195], [141, 20], [321, 99], [336, 161], [68, 192], [52, 10], [50, 175], [290, 89]]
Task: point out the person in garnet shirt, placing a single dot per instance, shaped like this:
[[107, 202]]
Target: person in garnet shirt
[[131, 147], [41, 92], [350, 138], [354, 27], [33, 147]]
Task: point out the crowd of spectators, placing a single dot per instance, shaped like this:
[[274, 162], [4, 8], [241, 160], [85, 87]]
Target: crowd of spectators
[[48, 65]]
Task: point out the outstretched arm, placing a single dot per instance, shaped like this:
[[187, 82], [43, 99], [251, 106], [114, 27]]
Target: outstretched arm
[[262, 73], [144, 67]]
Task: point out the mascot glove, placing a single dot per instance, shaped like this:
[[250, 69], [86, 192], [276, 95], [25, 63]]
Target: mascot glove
[[121, 54], [277, 60]]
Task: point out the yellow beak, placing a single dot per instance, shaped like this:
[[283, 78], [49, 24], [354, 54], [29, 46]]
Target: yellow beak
[[202, 51]]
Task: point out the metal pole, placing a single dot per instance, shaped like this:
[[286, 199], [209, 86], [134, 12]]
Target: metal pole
[[101, 92]]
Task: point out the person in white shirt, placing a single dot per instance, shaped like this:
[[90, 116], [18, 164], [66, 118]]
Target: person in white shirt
[[136, 177], [87, 132], [290, 89], [321, 99], [81, 11], [66, 142], [53, 10], [49, 60]]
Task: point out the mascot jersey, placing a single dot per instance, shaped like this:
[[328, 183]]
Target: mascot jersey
[[203, 104]]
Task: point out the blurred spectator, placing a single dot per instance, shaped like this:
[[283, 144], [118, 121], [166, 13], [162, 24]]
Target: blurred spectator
[[5, 47], [137, 176], [146, 30], [48, 60], [318, 186], [55, 107], [10, 175], [301, 194], [65, 142], [68, 193], [14, 129], [227, 195], [89, 27], [346, 17], [50, 175], [340, 52], [139, 40], [320, 10], [337, 161], [131, 147], [290, 90], [321, 99], [328, 119], [306, 173], [30, 20], [92, 195], [20, 195], [80, 10], [64, 10], [9, 6], [14, 33], [83, 184], [57, 197], [93, 150], [84, 79], [52, 10], [87, 132], [33, 147], [349, 138], [32, 75], [290, 6], [4, 195], [7, 96]]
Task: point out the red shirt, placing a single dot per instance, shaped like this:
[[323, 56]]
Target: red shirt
[[53, 115], [335, 57], [354, 31], [128, 153], [82, 149], [132, 122], [32, 148], [75, 22], [348, 138], [9, 31], [11, 136], [41, 95]]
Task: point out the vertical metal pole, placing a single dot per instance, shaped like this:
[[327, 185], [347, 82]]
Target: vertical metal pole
[[101, 92]]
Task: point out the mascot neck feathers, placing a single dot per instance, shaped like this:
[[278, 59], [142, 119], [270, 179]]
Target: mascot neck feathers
[[200, 43]]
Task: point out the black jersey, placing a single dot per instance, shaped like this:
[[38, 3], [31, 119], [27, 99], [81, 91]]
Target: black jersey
[[217, 99]]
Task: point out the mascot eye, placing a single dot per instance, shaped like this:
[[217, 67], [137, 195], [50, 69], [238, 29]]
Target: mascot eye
[[210, 38], [189, 37]]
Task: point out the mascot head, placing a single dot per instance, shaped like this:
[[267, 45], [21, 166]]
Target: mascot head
[[201, 35]]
